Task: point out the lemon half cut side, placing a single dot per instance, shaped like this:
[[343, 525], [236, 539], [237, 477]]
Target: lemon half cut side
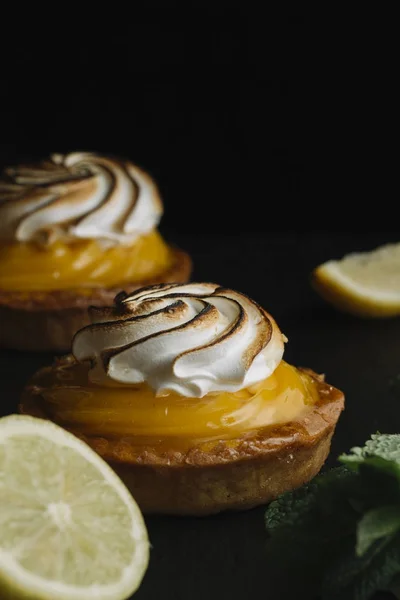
[[69, 528]]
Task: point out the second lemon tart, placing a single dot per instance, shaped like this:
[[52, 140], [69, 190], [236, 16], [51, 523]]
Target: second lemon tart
[[74, 230], [184, 391]]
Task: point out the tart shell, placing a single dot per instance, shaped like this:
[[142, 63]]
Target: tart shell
[[233, 474], [47, 321]]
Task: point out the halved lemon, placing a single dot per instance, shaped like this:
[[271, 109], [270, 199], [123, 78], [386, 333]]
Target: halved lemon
[[69, 528], [366, 284]]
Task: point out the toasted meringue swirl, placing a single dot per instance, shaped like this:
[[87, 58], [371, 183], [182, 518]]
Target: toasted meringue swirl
[[190, 339], [80, 195]]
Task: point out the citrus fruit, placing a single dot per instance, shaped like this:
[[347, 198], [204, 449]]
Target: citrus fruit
[[69, 528]]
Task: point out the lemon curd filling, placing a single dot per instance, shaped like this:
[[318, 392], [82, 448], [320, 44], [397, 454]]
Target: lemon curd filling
[[135, 412], [30, 267]]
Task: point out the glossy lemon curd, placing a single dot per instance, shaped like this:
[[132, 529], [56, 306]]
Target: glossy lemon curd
[[30, 267], [69, 399]]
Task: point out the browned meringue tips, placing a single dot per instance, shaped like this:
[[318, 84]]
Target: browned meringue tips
[[74, 230]]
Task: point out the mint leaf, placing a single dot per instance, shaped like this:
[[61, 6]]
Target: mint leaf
[[312, 502], [378, 463], [359, 578], [292, 508], [285, 510], [340, 534], [386, 446], [307, 529], [375, 524]]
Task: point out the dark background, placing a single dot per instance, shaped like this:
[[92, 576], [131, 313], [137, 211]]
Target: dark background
[[249, 120]]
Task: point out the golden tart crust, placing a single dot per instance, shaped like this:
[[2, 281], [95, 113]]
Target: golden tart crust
[[47, 321], [231, 474]]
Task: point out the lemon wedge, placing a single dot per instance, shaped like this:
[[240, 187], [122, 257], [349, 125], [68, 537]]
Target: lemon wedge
[[366, 284], [69, 529]]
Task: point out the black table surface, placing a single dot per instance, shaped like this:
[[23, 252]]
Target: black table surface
[[224, 556]]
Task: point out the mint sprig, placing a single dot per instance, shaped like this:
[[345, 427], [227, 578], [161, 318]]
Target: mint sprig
[[338, 538], [377, 523]]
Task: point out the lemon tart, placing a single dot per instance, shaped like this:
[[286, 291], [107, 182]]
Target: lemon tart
[[74, 230], [183, 389]]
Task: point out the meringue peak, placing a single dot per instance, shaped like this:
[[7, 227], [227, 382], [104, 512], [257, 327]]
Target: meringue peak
[[80, 195], [191, 339]]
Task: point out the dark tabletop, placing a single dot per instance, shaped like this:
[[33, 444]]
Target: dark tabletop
[[224, 556]]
